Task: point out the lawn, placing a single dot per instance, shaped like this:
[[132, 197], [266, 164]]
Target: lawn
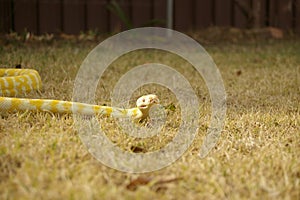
[[256, 157]]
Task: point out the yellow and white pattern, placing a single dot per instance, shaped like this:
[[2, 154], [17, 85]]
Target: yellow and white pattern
[[19, 81]]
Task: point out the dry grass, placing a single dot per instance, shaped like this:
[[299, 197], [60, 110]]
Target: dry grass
[[257, 156]]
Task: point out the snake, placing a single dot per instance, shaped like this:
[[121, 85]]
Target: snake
[[14, 82]]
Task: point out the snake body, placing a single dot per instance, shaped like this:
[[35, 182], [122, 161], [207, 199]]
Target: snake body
[[18, 81]]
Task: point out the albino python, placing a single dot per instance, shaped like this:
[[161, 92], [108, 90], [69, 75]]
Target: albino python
[[17, 81]]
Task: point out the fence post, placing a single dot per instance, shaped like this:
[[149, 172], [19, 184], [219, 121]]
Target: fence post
[[170, 14]]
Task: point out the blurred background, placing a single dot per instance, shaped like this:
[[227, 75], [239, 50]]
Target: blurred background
[[109, 16]]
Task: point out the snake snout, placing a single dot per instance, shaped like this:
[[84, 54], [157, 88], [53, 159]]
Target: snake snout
[[146, 101]]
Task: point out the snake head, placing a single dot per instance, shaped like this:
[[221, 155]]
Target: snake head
[[145, 102]]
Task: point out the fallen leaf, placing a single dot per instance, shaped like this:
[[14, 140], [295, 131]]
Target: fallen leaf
[[275, 32], [135, 183], [163, 184], [239, 72], [136, 149]]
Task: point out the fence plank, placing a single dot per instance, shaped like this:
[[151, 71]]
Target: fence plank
[[5, 16], [263, 14], [203, 14], [223, 12], [141, 12], [25, 16], [273, 13], [73, 16], [297, 16], [240, 19], [49, 16], [97, 16], [116, 24], [160, 12], [285, 15], [183, 15]]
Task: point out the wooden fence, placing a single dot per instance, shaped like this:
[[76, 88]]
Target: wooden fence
[[74, 16]]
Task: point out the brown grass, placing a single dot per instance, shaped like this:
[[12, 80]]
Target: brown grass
[[257, 156]]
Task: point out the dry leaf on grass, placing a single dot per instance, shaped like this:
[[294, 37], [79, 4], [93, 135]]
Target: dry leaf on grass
[[135, 183], [157, 185]]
